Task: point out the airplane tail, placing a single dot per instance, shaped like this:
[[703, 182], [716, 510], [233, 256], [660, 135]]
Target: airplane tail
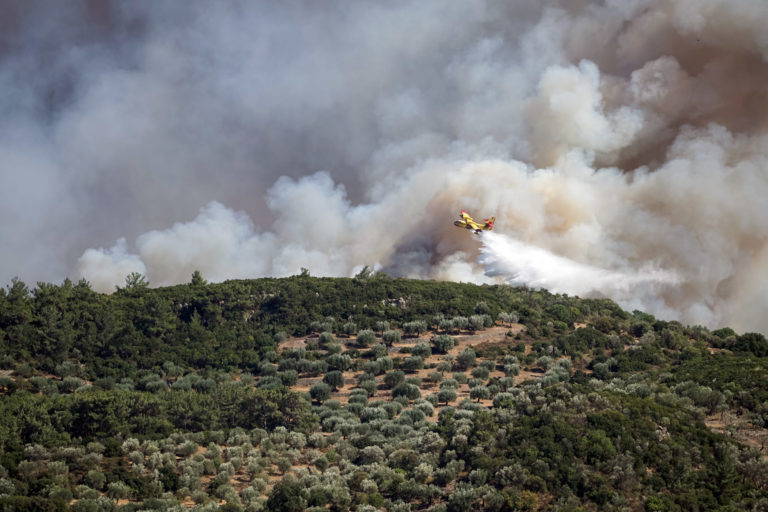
[[489, 223]]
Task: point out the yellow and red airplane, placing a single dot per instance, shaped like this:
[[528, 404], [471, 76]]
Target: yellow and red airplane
[[468, 222]]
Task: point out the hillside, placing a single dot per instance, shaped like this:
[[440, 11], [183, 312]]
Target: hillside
[[371, 393]]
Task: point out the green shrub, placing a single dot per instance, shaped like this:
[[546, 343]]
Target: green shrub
[[442, 343], [393, 378], [390, 337], [320, 392], [412, 363], [335, 379], [366, 338]]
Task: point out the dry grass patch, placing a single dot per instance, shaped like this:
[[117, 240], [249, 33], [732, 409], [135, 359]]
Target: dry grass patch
[[290, 343], [740, 429]]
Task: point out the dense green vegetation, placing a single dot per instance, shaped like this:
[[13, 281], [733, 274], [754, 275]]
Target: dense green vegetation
[[370, 393], [236, 323]]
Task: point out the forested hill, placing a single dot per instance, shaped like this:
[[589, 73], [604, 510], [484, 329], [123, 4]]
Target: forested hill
[[232, 324], [370, 393]]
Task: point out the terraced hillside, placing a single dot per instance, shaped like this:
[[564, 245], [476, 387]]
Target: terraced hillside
[[371, 394]]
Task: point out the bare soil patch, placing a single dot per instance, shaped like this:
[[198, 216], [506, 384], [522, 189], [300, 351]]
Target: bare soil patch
[[291, 343], [740, 429], [493, 336]]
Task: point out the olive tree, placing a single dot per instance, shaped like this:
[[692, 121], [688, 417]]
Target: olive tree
[[442, 343], [325, 339], [409, 391], [369, 386], [379, 350], [446, 395], [511, 370], [413, 363], [445, 325], [466, 359], [366, 338], [393, 378], [545, 362], [339, 362], [415, 328], [118, 490], [460, 323], [349, 328], [287, 496], [95, 479], [390, 337], [320, 392], [335, 379], [421, 350], [479, 393], [476, 322]]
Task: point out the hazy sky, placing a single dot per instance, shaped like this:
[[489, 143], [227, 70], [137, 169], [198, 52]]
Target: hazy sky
[[244, 139]]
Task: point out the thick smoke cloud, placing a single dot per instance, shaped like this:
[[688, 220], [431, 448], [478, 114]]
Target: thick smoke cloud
[[622, 145]]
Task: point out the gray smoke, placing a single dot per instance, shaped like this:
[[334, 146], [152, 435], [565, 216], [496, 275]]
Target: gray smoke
[[624, 138]]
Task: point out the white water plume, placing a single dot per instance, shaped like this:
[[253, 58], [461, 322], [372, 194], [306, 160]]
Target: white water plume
[[524, 264]]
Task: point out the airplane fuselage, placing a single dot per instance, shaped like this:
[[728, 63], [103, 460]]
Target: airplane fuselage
[[468, 222]]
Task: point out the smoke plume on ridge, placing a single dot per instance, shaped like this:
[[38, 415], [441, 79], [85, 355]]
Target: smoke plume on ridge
[[619, 142]]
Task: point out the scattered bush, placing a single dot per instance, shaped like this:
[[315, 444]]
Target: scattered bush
[[335, 379], [442, 343], [466, 359], [320, 392], [393, 378], [366, 338], [390, 337]]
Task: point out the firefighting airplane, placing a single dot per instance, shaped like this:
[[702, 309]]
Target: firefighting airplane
[[468, 222]]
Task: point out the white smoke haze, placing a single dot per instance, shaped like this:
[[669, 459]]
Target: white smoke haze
[[621, 145], [102, 265]]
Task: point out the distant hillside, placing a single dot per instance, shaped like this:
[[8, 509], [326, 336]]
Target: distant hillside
[[371, 393], [232, 324]]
